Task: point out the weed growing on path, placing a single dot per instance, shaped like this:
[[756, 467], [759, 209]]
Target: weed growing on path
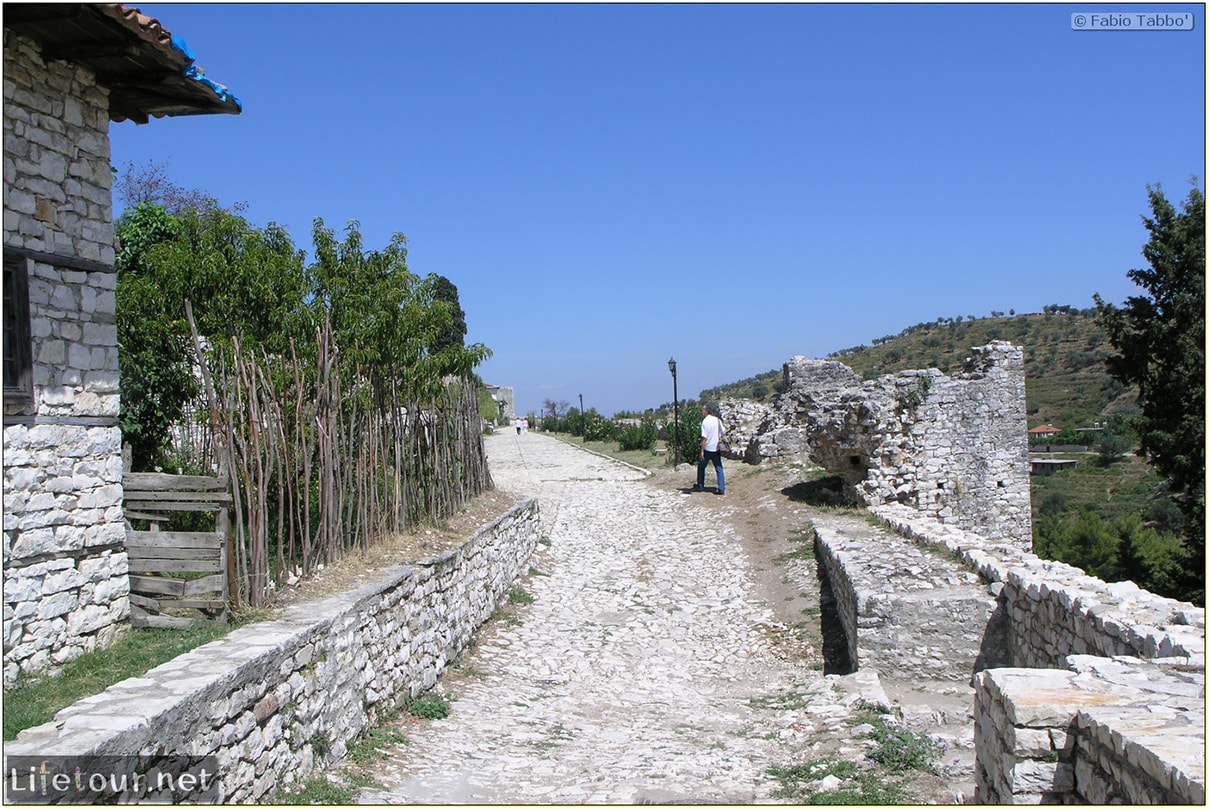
[[895, 756], [899, 748], [518, 596], [429, 706]]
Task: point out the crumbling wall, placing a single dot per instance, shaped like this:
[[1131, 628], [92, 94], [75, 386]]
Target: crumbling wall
[[953, 447]]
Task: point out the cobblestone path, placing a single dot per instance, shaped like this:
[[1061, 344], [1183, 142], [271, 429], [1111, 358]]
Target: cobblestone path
[[647, 668]]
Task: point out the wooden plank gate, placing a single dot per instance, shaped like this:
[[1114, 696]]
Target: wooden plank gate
[[177, 571]]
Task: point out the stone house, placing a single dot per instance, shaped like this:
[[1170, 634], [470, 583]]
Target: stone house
[[503, 397], [70, 69]]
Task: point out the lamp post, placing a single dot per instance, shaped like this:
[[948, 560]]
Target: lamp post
[[671, 366]]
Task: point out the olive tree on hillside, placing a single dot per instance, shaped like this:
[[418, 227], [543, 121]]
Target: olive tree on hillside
[[1160, 343]]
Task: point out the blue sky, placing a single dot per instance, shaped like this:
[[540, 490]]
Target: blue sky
[[612, 185]]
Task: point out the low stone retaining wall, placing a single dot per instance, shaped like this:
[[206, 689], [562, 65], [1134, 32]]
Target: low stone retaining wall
[[1057, 610], [907, 610], [1108, 731], [273, 701], [1112, 706]]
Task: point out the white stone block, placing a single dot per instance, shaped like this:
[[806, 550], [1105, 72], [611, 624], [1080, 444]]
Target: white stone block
[[34, 542], [62, 580], [87, 619], [19, 588], [56, 605]]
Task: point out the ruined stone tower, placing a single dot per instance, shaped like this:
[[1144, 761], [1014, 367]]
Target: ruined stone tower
[[953, 447]]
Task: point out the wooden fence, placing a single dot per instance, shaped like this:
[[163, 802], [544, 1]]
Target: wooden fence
[[320, 467], [175, 572]]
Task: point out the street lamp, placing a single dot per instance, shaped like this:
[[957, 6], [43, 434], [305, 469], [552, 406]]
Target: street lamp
[[671, 366]]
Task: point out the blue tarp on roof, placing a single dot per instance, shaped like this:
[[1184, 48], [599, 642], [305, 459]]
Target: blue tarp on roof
[[195, 73]]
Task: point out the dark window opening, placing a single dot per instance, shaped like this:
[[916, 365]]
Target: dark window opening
[[18, 363]]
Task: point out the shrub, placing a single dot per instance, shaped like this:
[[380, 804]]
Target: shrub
[[430, 706], [598, 428], [640, 437], [688, 440]]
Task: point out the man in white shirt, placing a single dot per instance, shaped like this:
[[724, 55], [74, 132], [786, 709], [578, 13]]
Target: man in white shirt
[[711, 434]]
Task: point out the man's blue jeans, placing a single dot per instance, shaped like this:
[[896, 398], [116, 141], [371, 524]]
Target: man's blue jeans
[[715, 458]]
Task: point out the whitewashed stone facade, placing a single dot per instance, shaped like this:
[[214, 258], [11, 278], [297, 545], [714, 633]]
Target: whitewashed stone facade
[[65, 576], [952, 447]]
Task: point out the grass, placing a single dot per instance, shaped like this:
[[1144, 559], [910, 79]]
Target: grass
[[362, 753], [518, 596], [429, 706], [859, 786], [642, 458], [896, 755], [1124, 487], [368, 749], [135, 653], [316, 791]]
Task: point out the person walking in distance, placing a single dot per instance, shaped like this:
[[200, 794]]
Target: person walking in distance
[[711, 435]]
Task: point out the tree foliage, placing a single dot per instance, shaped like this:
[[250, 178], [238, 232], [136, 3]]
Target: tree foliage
[[1159, 338], [688, 438], [243, 282], [153, 354], [1124, 548], [638, 437], [453, 336], [388, 319], [252, 284]]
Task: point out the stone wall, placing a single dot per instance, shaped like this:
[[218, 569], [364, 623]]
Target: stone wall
[[272, 702], [1055, 610], [65, 577], [955, 447], [1112, 706], [1106, 731], [907, 610]]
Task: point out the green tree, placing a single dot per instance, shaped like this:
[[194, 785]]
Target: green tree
[[388, 321], [1110, 446], [1160, 343], [243, 282], [454, 334], [638, 437], [153, 352], [688, 439]]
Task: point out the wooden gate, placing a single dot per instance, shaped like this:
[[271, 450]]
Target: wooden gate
[[182, 572]]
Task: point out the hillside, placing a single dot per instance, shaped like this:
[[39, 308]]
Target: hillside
[[1064, 350]]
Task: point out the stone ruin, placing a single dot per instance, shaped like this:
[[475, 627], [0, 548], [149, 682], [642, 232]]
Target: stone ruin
[[1082, 691], [955, 448]]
